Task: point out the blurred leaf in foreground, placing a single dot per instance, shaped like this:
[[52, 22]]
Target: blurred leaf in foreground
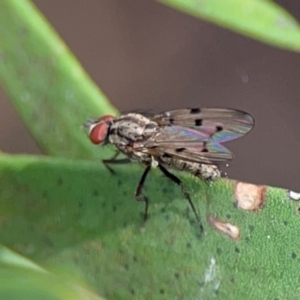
[[265, 21], [47, 86], [22, 279]]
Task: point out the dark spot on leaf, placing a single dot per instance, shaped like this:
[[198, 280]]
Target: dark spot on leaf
[[114, 208], [180, 149], [195, 110], [198, 122], [199, 235], [285, 222], [119, 182], [177, 275], [219, 251], [24, 31], [45, 194], [188, 245], [192, 221], [59, 182], [236, 250], [103, 204], [126, 267], [162, 291], [298, 210], [293, 255], [232, 279], [125, 193], [80, 204], [187, 212], [165, 190], [251, 228], [219, 128], [247, 239], [95, 193], [132, 291], [135, 259], [228, 216], [163, 210]]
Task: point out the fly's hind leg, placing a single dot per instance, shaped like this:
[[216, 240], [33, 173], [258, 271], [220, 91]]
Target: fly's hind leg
[[185, 193], [114, 161], [139, 192]]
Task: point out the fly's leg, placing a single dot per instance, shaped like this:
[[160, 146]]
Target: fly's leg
[[139, 192], [184, 191], [114, 161]]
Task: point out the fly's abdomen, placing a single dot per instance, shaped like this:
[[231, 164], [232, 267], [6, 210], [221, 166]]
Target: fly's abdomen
[[204, 171]]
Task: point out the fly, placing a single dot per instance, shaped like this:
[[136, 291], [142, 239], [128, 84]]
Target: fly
[[188, 140]]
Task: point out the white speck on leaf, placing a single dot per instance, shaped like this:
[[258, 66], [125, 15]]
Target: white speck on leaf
[[211, 280]]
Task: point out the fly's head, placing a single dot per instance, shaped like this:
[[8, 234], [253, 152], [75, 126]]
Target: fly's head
[[99, 129]]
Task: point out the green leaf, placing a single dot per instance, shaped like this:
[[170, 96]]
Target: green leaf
[[47, 86], [22, 279], [78, 218], [261, 20]]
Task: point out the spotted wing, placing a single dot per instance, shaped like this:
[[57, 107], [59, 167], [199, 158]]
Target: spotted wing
[[208, 120], [196, 134]]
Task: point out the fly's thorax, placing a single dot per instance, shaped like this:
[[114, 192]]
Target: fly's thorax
[[131, 128]]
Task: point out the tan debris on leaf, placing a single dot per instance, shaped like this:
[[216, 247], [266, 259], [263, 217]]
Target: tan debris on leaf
[[249, 196], [227, 228]]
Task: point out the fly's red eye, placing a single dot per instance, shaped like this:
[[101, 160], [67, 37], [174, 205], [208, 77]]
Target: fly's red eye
[[98, 133], [99, 130]]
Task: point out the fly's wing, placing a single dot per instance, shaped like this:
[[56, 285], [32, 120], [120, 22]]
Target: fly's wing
[[196, 134], [186, 144], [208, 120]]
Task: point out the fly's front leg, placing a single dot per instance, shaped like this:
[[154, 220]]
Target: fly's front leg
[[114, 161], [184, 191], [139, 192]]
